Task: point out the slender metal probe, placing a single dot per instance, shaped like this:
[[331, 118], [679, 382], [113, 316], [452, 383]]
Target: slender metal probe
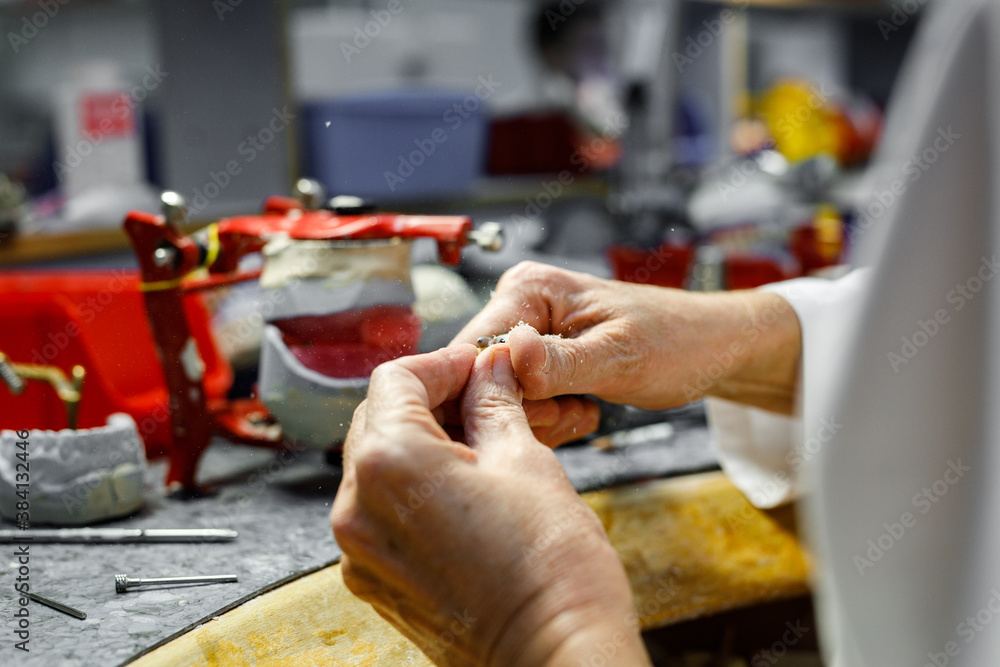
[[58, 606], [117, 535], [123, 584]]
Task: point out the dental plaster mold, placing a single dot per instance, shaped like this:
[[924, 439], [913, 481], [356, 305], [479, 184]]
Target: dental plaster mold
[[76, 477]]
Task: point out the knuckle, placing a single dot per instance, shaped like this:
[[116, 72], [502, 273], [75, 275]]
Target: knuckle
[[524, 272], [496, 416], [357, 427], [352, 579], [346, 524], [382, 372], [570, 360], [628, 355], [379, 462]]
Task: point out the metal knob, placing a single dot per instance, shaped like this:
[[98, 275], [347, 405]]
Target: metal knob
[[173, 207], [123, 583], [350, 205], [488, 236], [310, 192], [165, 255]]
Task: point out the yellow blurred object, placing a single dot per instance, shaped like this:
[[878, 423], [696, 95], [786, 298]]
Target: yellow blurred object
[[829, 233], [801, 119]]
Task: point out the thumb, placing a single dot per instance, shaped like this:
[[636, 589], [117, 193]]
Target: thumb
[[549, 366], [491, 408]]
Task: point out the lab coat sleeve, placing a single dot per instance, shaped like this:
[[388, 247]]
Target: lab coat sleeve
[[762, 452]]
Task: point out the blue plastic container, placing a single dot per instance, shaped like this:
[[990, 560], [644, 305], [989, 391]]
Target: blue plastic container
[[401, 144]]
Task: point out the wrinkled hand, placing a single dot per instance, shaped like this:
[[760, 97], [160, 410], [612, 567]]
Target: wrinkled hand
[[481, 552], [651, 347]]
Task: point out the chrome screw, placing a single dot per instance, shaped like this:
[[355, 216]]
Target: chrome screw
[[310, 192], [173, 207]]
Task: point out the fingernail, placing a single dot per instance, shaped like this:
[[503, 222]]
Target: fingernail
[[503, 370], [547, 363]]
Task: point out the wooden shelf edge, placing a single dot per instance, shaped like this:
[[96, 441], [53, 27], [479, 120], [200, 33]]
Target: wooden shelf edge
[[21, 249]]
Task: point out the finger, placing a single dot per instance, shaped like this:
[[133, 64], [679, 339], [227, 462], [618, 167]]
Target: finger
[[550, 366], [451, 413], [491, 409], [568, 431], [402, 393], [537, 294], [544, 413], [425, 380], [560, 420], [551, 411], [554, 421], [356, 432], [529, 293], [394, 431], [503, 312]]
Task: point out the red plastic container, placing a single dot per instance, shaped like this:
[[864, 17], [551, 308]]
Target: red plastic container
[[665, 266], [751, 271], [669, 266], [96, 319]]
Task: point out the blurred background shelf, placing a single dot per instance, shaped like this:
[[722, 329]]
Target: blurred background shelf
[[21, 249], [489, 193]]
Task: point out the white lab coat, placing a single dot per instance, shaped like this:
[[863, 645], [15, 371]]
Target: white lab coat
[[897, 449]]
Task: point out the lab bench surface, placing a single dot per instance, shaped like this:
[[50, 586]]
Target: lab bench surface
[[692, 547], [280, 508]]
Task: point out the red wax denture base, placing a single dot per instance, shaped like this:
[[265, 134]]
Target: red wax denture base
[[352, 343]]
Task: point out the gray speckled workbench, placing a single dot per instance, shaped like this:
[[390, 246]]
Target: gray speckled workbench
[[280, 508]]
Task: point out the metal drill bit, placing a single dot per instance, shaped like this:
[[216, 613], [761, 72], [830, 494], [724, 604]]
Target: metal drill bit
[[58, 606], [484, 342], [117, 535], [123, 583]]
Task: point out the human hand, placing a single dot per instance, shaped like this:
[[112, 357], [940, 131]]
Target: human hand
[[480, 552], [647, 346]]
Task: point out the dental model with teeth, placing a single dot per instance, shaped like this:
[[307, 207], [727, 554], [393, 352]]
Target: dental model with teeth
[[77, 476]]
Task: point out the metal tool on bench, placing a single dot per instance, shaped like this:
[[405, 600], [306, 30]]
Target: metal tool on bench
[[117, 535], [124, 584], [174, 266], [58, 606]]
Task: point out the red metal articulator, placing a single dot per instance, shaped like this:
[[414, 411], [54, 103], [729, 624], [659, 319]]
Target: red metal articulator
[[174, 266]]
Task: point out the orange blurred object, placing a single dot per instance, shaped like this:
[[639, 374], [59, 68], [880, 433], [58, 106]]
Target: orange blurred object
[[95, 319]]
